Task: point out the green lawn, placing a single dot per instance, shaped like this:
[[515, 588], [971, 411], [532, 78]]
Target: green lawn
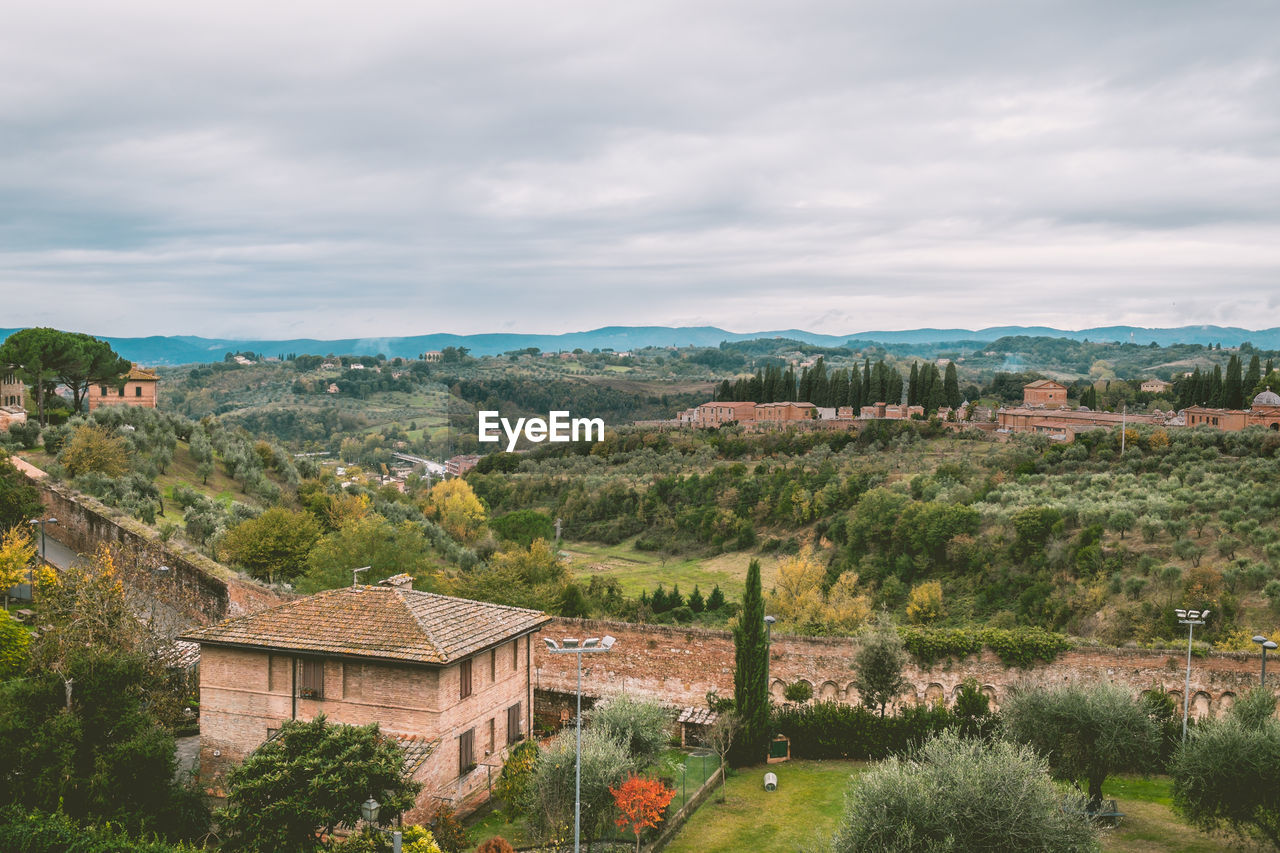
[[640, 571], [1149, 823], [803, 811]]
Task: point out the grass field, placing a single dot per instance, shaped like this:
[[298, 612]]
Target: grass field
[[638, 571], [801, 813], [805, 810]]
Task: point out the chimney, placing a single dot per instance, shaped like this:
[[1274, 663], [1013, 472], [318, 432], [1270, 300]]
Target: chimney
[[401, 581]]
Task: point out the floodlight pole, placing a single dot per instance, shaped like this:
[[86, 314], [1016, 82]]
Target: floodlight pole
[[572, 647], [1266, 645], [1190, 618]]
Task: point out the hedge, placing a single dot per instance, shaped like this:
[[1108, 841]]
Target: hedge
[[1021, 647], [834, 730]]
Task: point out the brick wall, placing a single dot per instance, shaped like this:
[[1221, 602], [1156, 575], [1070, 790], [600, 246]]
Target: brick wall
[[677, 666]]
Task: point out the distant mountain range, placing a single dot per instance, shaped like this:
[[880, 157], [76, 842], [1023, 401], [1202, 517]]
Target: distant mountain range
[[184, 349]]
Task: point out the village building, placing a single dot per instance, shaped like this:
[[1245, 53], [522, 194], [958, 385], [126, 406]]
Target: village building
[[12, 399], [1264, 412], [447, 677], [1045, 394], [785, 412], [895, 412], [716, 413], [139, 390], [432, 355], [1155, 386], [459, 465]]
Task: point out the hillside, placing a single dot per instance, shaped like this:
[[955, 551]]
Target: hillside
[[186, 349]]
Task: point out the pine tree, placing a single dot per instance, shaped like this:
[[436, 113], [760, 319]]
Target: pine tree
[[750, 668], [951, 386], [716, 599], [696, 602]]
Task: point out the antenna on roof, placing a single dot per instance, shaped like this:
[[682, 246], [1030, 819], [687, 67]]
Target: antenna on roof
[[355, 574]]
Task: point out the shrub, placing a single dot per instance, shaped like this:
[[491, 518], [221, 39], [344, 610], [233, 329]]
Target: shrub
[[834, 730], [955, 794], [642, 727], [798, 691]]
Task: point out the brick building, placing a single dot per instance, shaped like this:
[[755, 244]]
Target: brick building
[[786, 412], [717, 413], [139, 390], [448, 677], [1044, 393], [1264, 412]]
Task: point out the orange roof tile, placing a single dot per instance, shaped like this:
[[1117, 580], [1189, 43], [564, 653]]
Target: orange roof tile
[[377, 622]]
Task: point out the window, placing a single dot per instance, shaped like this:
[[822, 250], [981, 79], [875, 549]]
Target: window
[[311, 679], [137, 390], [489, 742], [493, 666], [515, 654], [464, 679], [103, 389], [466, 752], [513, 724]]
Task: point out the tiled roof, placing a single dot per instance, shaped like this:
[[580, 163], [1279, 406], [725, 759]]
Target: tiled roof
[[697, 716], [417, 749], [136, 372], [377, 622], [1044, 383]]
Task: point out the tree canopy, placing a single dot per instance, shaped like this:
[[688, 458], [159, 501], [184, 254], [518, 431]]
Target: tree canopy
[[308, 780], [1086, 732]]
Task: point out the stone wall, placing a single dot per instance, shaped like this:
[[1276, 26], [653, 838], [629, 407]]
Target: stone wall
[[196, 590], [677, 666]]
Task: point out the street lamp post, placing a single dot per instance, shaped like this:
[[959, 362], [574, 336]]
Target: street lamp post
[[369, 811], [1267, 645], [571, 646], [1190, 618]]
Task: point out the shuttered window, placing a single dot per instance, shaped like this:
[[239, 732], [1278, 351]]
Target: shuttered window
[[464, 679], [466, 752], [513, 724]]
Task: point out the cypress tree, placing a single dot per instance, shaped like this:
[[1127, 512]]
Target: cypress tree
[[820, 384], [856, 398], [1214, 392], [893, 383], [913, 386], [951, 386], [867, 390], [805, 394], [1253, 378], [750, 668], [1232, 386], [788, 386]]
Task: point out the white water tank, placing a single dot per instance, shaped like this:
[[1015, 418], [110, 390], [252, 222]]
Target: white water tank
[[771, 781]]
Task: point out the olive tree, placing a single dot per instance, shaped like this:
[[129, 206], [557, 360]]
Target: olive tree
[[878, 668], [1228, 771], [643, 728], [1085, 732], [551, 790], [957, 794]]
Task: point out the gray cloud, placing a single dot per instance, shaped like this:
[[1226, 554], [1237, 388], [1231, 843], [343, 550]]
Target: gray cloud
[[330, 170]]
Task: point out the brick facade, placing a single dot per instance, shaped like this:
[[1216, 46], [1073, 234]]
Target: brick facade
[[246, 694]]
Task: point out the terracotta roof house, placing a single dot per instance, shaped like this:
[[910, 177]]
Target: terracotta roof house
[[447, 677], [139, 390]]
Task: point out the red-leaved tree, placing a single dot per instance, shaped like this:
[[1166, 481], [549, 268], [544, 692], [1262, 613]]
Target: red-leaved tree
[[642, 802]]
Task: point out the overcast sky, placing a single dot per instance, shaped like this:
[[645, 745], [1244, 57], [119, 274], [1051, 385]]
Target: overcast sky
[[312, 169]]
